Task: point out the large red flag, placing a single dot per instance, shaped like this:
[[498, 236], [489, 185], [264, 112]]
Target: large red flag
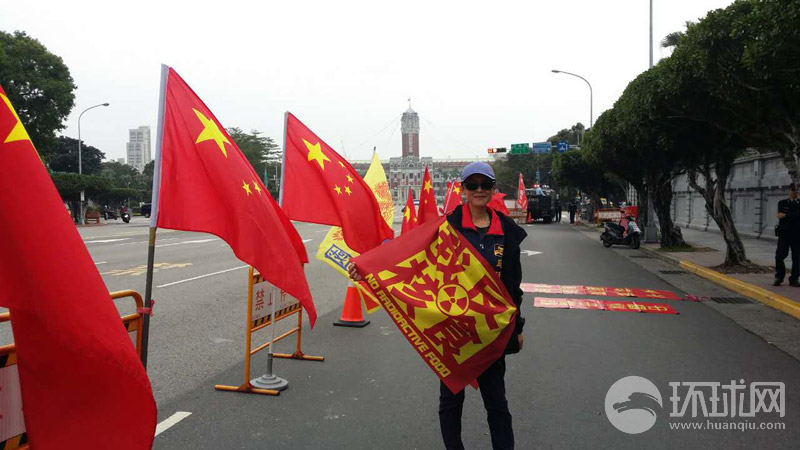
[[409, 215], [82, 381], [207, 184], [522, 198], [427, 210], [453, 197], [320, 186], [448, 302]]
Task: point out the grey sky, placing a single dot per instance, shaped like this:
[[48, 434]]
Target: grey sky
[[478, 73]]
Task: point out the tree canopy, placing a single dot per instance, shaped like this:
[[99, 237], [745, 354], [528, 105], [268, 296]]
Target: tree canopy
[[39, 85]]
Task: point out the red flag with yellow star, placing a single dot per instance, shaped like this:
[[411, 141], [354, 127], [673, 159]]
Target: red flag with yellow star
[[81, 379], [409, 215], [427, 209], [319, 186], [207, 185], [453, 197], [448, 302]]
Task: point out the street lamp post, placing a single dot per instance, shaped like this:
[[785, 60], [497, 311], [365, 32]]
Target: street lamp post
[[650, 232], [81, 218], [591, 113]]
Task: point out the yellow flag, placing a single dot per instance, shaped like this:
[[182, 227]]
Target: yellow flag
[[333, 250]]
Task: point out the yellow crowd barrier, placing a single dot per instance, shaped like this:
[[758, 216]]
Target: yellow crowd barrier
[[258, 318]]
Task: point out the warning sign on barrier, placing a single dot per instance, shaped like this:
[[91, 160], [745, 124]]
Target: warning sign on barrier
[[263, 296]]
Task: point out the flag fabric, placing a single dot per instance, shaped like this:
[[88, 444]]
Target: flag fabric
[[522, 198], [453, 197], [409, 215], [448, 302], [320, 186], [498, 203], [427, 209], [82, 382], [335, 252], [206, 184]]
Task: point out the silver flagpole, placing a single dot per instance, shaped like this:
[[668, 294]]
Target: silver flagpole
[[269, 380], [151, 248]]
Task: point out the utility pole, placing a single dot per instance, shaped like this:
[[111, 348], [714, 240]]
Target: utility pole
[[650, 232]]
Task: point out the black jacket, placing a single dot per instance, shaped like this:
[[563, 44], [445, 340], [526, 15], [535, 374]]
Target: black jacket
[[511, 269], [789, 226]]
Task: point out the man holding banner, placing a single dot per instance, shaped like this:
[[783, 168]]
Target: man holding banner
[[452, 287]]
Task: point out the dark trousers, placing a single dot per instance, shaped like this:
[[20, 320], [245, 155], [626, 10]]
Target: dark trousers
[[784, 244], [572, 217], [493, 390]]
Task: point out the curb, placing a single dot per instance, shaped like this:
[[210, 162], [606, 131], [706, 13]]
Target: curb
[[658, 255], [764, 296]]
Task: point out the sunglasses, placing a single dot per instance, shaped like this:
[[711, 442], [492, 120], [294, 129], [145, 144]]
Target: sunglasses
[[473, 185]]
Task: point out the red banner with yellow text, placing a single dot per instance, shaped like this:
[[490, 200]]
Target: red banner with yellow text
[[449, 303]]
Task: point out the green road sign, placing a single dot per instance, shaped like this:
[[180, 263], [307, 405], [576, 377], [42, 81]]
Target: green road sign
[[520, 149]]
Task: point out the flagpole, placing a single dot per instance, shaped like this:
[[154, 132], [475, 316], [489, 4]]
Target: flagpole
[[151, 247], [447, 196], [269, 380]]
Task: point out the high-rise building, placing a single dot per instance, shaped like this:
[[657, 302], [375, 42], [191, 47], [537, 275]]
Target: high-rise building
[[138, 147], [409, 126]]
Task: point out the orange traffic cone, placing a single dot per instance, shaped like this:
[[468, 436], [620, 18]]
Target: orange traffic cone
[[351, 312]]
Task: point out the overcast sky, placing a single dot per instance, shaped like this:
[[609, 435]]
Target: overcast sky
[[478, 73]]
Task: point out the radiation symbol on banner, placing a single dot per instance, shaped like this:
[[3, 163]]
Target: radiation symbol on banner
[[452, 300]]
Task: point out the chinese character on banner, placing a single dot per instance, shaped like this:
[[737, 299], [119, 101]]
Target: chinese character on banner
[[260, 300], [545, 302]]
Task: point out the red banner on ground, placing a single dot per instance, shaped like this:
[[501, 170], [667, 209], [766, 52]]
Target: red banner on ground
[[600, 291], [623, 305]]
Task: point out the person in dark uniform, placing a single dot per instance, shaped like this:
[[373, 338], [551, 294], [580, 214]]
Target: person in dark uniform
[[572, 208], [558, 211], [497, 238], [788, 238]]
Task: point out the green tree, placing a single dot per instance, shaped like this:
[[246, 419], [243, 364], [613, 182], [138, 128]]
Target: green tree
[[39, 85], [262, 153], [70, 185], [64, 157], [574, 135]]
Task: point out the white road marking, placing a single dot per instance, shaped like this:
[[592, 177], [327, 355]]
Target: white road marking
[[201, 276], [307, 240], [101, 262], [170, 421], [530, 252], [105, 240], [197, 241]]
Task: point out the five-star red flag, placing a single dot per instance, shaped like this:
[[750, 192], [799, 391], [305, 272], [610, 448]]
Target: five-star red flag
[[427, 209], [207, 185], [409, 215], [320, 186], [498, 203], [522, 198], [453, 197], [82, 382]]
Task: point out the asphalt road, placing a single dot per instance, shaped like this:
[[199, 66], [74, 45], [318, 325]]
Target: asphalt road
[[373, 392]]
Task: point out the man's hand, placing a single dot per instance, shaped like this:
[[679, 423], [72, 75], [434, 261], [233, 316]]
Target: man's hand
[[521, 340], [354, 275], [781, 215]]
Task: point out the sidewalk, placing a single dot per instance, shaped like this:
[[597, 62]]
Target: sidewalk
[[710, 252]]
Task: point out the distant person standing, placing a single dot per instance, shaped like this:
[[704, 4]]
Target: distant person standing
[[572, 208], [788, 232], [558, 211]]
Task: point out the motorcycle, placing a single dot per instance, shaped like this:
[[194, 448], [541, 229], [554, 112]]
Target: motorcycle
[[126, 217], [109, 214], [615, 234]]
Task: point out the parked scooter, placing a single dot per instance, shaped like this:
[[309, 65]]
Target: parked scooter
[[126, 217], [615, 234]]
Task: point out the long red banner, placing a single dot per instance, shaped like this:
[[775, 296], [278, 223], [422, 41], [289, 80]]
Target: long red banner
[[598, 291], [622, 305]]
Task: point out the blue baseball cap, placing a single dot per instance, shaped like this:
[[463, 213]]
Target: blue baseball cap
[[478, 167]]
